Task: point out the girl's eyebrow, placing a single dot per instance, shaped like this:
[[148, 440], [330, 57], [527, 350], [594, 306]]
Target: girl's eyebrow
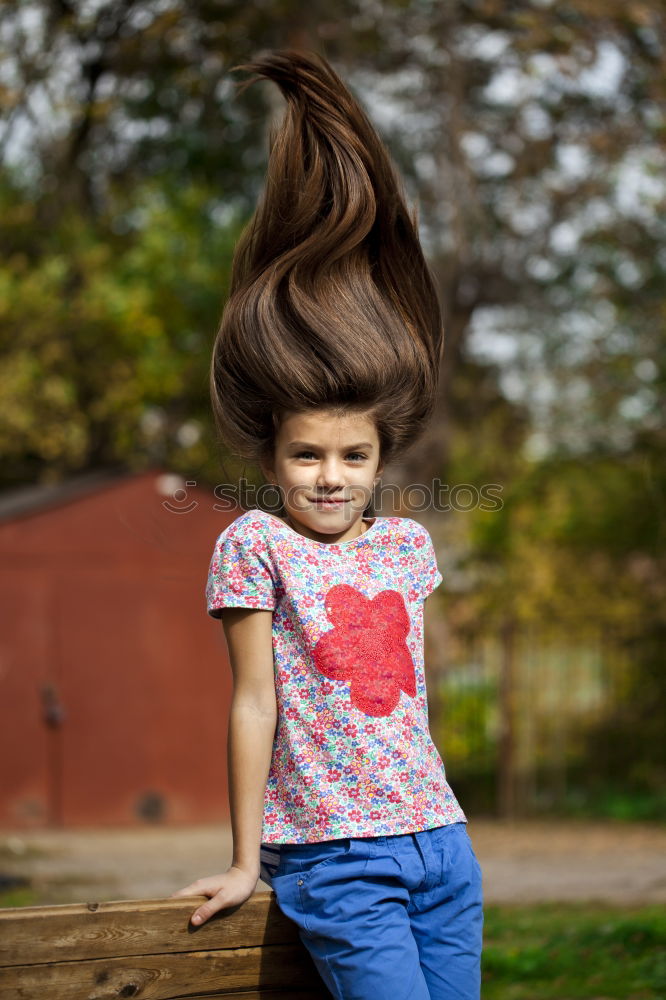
[[350, 447]]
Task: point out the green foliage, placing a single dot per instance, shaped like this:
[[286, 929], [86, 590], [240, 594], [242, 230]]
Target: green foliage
[[558, 950], [604, 513], [608, 801], [106, 336]]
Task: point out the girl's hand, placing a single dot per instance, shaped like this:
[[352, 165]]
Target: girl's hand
[[229, 889]]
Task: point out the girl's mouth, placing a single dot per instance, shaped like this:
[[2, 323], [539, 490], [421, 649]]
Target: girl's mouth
[[328, 501]]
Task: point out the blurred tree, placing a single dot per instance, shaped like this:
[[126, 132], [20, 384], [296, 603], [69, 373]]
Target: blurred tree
[[100, 95], [104, 337], [572, 541]]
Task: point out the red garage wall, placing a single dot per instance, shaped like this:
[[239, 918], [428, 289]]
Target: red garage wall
[[105, 633]]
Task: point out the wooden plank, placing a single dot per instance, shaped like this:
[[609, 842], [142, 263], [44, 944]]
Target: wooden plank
[[165, 977], [76, 931]]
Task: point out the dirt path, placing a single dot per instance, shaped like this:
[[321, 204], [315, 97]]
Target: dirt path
[[522, 862]]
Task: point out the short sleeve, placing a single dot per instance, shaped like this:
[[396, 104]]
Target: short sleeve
[[430, 576], [239, 575]]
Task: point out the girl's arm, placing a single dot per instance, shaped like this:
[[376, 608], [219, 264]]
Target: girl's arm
[[252, 722]]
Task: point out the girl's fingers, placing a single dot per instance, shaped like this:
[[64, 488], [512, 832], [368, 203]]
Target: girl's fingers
[[187, 891], [206, 911], [222, 891], [202, 887]]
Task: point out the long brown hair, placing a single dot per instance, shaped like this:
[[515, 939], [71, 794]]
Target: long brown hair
[[331, 301]]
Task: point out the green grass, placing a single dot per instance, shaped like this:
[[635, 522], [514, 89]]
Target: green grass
[[21, 896], [562, 951]]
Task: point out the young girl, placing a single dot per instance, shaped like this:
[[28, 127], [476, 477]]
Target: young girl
[[325, 368]]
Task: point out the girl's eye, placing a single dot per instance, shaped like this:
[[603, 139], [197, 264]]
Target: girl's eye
[[356, 455]]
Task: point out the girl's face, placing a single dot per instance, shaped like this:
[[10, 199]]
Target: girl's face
[[326, 465]]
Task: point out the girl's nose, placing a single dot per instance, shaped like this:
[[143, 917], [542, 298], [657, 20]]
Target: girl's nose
[[330, 473]]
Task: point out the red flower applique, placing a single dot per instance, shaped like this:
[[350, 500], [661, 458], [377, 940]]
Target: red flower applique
[[367, 647]]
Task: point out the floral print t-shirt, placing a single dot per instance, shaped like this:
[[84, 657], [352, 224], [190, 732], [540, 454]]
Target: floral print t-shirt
[[352, 754]]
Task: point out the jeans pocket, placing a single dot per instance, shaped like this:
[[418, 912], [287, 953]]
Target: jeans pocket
[[308, 858], [299, 864]]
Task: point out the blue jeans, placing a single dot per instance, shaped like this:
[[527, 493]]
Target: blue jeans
[[386, 918]]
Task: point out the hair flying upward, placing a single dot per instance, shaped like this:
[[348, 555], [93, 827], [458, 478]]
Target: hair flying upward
[[331, 301]]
